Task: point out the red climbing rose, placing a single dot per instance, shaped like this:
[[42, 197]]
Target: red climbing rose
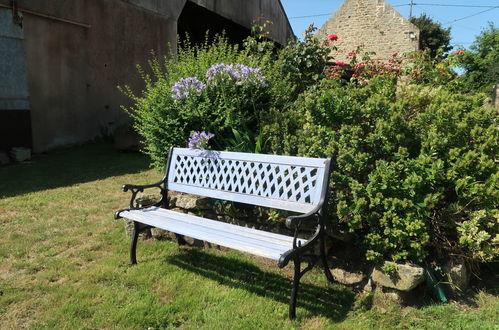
[[332, 37]]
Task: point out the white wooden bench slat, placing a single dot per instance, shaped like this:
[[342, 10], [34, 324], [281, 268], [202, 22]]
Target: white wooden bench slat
[[198, 233], [264, 158], [257, 236], [234, 239], [222, 226], [318, 189]]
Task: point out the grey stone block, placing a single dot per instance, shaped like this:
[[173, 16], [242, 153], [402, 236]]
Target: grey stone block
[[193, 202], [346, 277], [20, 154], [458, 276], [404, 278], [146, 234]]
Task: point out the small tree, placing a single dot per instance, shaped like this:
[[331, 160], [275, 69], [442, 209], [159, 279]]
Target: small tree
[[481, 62], [432, 34]]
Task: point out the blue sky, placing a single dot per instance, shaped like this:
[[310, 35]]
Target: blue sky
[[463, 28]]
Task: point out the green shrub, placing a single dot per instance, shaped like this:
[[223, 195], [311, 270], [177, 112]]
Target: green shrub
[[303, 62], [414, 166], [219, 102], [416, 162], [221, 106]]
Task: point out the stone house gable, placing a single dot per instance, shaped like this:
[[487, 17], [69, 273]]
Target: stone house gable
[[372, 23]]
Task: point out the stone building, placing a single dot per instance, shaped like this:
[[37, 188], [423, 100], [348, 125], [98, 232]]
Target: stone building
[[61, 61], [372, 23]]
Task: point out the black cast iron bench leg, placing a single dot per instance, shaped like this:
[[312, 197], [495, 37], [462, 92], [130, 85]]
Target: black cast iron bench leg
[[294, 290], [323, 251], [298, 274], [137, 229]]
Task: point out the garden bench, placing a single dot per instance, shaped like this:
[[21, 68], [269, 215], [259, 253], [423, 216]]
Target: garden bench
[[294, 184]]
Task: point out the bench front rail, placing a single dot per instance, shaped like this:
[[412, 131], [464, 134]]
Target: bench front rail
[[295, 184]]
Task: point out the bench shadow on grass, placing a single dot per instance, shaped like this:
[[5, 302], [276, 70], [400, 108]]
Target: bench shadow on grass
[[67, 167], [331, 302]]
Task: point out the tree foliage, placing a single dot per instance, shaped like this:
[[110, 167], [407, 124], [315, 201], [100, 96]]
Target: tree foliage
[[481, 62], [432, 34]]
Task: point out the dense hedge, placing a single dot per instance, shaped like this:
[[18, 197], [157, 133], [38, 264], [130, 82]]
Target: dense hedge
[[416, 168], [416, 162]]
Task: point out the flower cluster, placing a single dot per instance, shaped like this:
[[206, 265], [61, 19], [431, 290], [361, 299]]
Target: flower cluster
[[330, 41], [332, 37], [240, 74], [361, 71], [186, 87], [199, 140]]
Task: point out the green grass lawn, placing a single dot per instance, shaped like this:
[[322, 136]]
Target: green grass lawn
[[63, 264]]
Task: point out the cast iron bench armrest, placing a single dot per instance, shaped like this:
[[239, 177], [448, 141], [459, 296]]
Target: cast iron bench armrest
[[135, 189], [295, 221], [140, 188]]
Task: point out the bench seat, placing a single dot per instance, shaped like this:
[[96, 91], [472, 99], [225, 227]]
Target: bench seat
[[253, 241]]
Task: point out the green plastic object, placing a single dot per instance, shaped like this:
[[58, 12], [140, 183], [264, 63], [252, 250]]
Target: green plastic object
[[435, 285]]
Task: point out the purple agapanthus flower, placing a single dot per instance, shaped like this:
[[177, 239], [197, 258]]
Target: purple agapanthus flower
[[240, 74], [186, 87], [199, 140]]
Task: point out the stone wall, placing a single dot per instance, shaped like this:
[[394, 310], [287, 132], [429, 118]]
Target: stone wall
[[371, 23]]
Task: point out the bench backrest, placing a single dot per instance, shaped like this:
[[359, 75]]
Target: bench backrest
[[281, 182]]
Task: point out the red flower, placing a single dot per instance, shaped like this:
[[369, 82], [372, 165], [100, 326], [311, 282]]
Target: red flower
[[395, 54], [340, 63], [332, 37]]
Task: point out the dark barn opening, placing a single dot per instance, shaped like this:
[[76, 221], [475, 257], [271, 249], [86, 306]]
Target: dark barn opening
[[196, 20], [15, 129]]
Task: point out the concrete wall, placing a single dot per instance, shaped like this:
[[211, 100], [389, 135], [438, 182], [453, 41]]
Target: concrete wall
[[73, 70], [372, 23], [242, 12], [247, 12]]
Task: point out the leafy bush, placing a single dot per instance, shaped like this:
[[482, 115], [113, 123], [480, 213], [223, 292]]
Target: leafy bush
[[203, 89], [303, 62], [222, 89], [416, 67], [414, 166], [416, 162]]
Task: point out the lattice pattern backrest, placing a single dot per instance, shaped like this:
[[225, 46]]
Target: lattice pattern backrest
[[289, 183]]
